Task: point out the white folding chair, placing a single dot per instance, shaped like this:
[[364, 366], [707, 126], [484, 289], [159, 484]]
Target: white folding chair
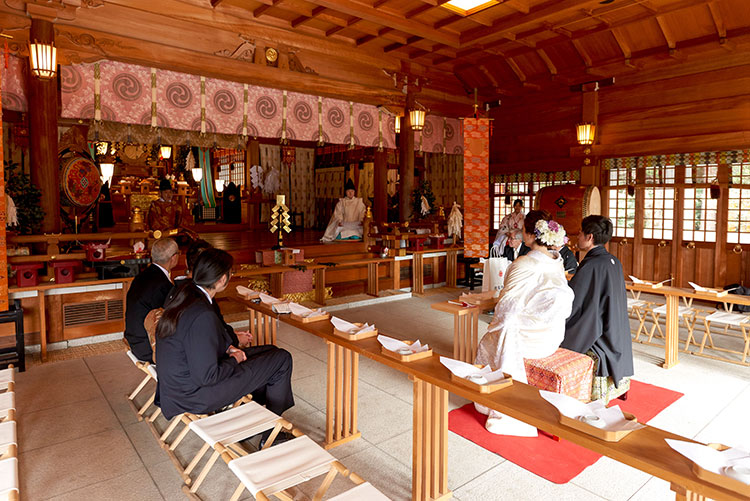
[[228, 428], [362, 492], [638, 308], [150, 372], [7, 406], [271, 471], [728, 319], [688, 317], [9, 479], [8, 440], [8, 379]]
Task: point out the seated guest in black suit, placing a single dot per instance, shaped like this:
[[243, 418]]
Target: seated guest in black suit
[[240, 338], [199, 369], [512, 245], [147, 292]]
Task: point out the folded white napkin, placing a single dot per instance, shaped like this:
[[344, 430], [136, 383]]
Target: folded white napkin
[[349, 327], [593, 413], [302, 311], [247, 293], [697, 287], [395, 345], [266, 299], [472, 373], [733, 463]]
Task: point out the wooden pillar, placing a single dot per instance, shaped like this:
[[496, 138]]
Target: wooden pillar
[[45, 171], [406, 161], [381, 184]]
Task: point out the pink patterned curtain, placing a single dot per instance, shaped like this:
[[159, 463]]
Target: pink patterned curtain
[[14, 87], [188, 102]]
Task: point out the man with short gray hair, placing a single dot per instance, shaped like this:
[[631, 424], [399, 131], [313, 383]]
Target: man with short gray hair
[[147, 292]]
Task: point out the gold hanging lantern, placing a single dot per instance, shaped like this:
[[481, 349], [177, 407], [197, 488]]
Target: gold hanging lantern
[[397, 125], [585, 132], [416, 117], [166, 152], [43, 59]]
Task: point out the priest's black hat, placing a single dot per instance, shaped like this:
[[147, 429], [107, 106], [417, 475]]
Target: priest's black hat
[[165, 185], [349, 185]]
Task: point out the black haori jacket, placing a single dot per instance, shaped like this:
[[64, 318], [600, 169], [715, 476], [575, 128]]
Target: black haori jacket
[[599, 319]]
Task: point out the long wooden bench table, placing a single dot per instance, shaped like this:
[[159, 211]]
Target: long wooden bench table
[[451, 266], [643, 449], [373, 269], [672, 296]]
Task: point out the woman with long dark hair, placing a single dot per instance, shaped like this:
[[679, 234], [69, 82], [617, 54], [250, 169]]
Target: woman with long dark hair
[[529, 319], [199, 369]]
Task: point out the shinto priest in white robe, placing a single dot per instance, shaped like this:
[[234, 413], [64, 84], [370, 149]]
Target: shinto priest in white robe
[[529, 322], [346, 221]]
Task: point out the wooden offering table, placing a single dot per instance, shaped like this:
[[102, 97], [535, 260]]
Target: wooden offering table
[[276, 273], [465, 329], [72, 316], [644, 449], [373, 269], [451, 266]]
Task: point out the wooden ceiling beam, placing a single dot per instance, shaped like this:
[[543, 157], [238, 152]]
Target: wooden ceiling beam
[[581, 51], [259, 11], [214, 3], [418, 10], [668, 35], [515, 22], [627, 52], [721, 28], [547, 61], [516, 69], [521, 6], [363, 40], [409, 41], [418, 53], [366, 12], [303, 19]]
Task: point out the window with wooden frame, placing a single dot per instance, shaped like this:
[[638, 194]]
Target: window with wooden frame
[[505, 193], [230, 166], [658, 209], [503, 196], [621, 206], [699, 215], [738, 217]]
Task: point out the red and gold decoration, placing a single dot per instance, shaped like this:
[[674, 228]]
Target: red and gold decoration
[[476, 186]]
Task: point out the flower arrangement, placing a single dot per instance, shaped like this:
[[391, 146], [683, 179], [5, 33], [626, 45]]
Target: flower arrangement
[[550, 233]]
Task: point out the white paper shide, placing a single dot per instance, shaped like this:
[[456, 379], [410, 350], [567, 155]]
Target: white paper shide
[[349, 327], [400, 347]]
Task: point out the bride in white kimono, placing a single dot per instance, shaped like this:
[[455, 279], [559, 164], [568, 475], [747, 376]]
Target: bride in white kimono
[[529, 319], [346, 221]]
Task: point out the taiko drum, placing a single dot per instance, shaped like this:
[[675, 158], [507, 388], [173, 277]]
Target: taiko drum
[[569, 204]]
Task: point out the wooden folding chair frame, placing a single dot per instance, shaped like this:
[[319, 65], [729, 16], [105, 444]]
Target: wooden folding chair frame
[[743, 328], [336, 467], [190, 491]]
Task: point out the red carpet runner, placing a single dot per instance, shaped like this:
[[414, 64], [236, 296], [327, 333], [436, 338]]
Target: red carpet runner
[[558, 462]]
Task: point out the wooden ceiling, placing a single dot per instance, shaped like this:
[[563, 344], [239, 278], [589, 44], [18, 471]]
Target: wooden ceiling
[[364, 50]]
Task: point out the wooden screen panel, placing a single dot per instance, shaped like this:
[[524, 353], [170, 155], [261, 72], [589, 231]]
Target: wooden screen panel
[[699, 216], [738, 216], [621, 211], [658, 215]]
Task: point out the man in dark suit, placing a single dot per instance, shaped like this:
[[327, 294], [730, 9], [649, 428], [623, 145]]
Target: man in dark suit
[[512, 245], [147, 292]]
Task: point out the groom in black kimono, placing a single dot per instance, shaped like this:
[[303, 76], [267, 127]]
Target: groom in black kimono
[[599, 319]]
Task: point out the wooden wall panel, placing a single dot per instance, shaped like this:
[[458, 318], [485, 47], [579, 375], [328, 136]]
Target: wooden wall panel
[[699, 108]]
